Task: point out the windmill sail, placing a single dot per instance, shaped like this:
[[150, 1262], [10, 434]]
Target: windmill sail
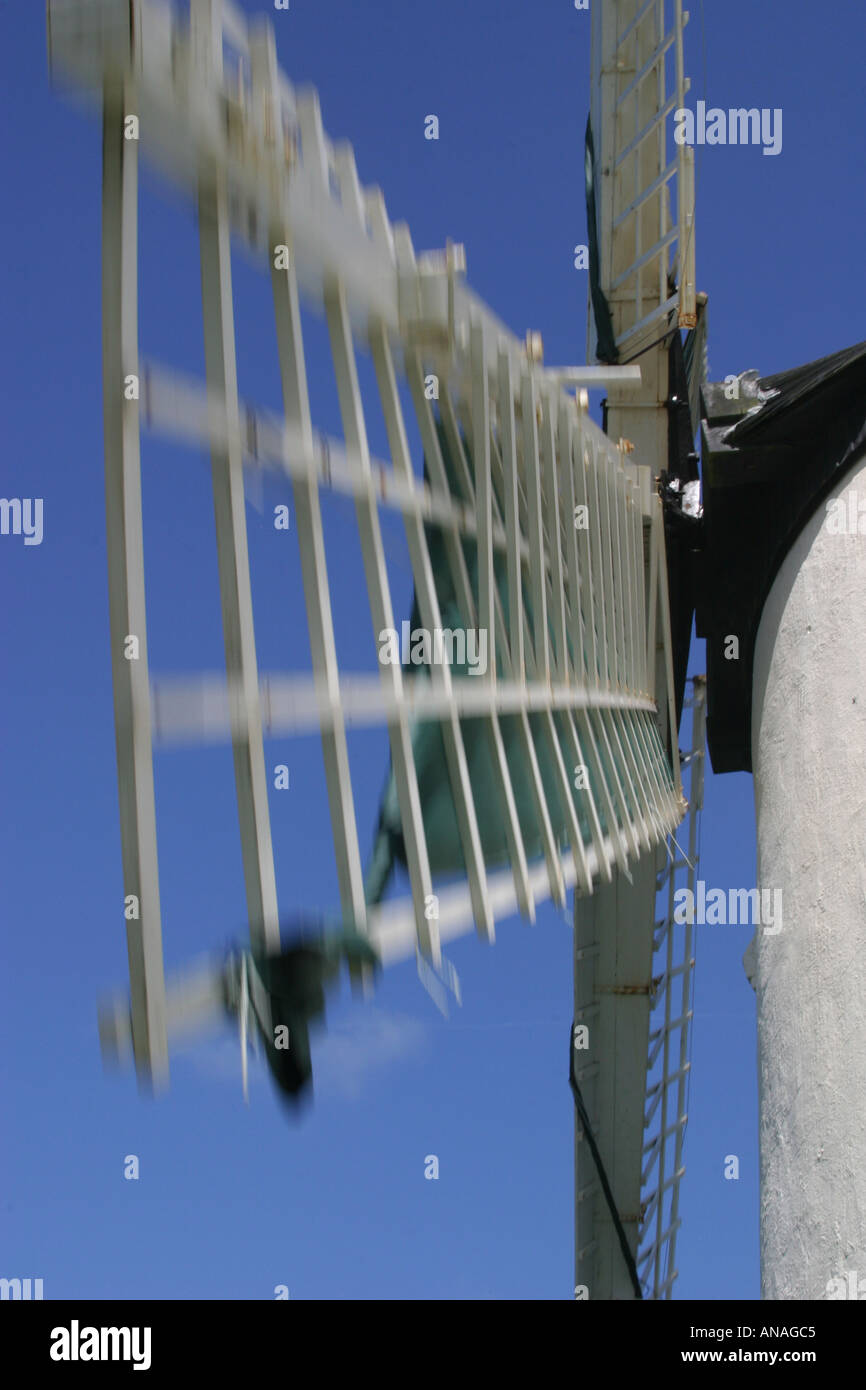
[[533, 535]]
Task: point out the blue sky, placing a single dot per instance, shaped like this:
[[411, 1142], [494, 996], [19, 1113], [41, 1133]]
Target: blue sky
[[233, 1201]]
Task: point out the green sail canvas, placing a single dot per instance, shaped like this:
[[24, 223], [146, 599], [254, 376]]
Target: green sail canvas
[[437, 802]]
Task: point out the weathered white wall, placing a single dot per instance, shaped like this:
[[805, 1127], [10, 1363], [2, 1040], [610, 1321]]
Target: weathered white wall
[[809, 760]]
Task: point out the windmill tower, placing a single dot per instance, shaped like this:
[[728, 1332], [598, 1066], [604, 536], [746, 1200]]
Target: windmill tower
[[558, 764], [783, 460]]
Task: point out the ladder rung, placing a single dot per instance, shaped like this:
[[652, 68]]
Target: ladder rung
[[648, 129], [647, 67], [662, 311], [641, 14], [656, 184], [637, 265]]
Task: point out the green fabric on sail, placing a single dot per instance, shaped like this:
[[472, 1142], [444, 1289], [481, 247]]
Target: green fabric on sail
[[606, 349], [437, 802]]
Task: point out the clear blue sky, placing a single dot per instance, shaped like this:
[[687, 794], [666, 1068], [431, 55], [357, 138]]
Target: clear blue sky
[[233, 1201]]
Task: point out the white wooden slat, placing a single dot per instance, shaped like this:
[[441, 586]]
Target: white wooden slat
[[640, 588], [483, 493], [580, 458], [656, 559], [619, 593], [551, 850], [206, 38], [497, 467], [550, 513], [665, 609], [126, 591], [514, 838], [552, 854], [317, 595], [378, 221], [628, 542], [620, 747], [567, 436], [448, 416], [180, 409], [511, 821], [439, 485], [516, 608], [634, 765], [197, 709], [234, 25], [428, 604], [483, 498], [264, 77], [660, 799], [618, 753], [565, 791], [582, 742], [426, 589], [314, 150], [379, 593], [583, 721], [566, 787], [234, 570], [596, 546], [642, 578], [629, 579], [458, 768]]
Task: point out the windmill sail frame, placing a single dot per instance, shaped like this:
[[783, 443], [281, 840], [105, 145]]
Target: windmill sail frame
[[550, 531]]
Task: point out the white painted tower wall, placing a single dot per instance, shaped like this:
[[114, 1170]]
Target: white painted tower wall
[[809, 760]]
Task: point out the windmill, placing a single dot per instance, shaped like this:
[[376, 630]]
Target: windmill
[[554, 768]]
